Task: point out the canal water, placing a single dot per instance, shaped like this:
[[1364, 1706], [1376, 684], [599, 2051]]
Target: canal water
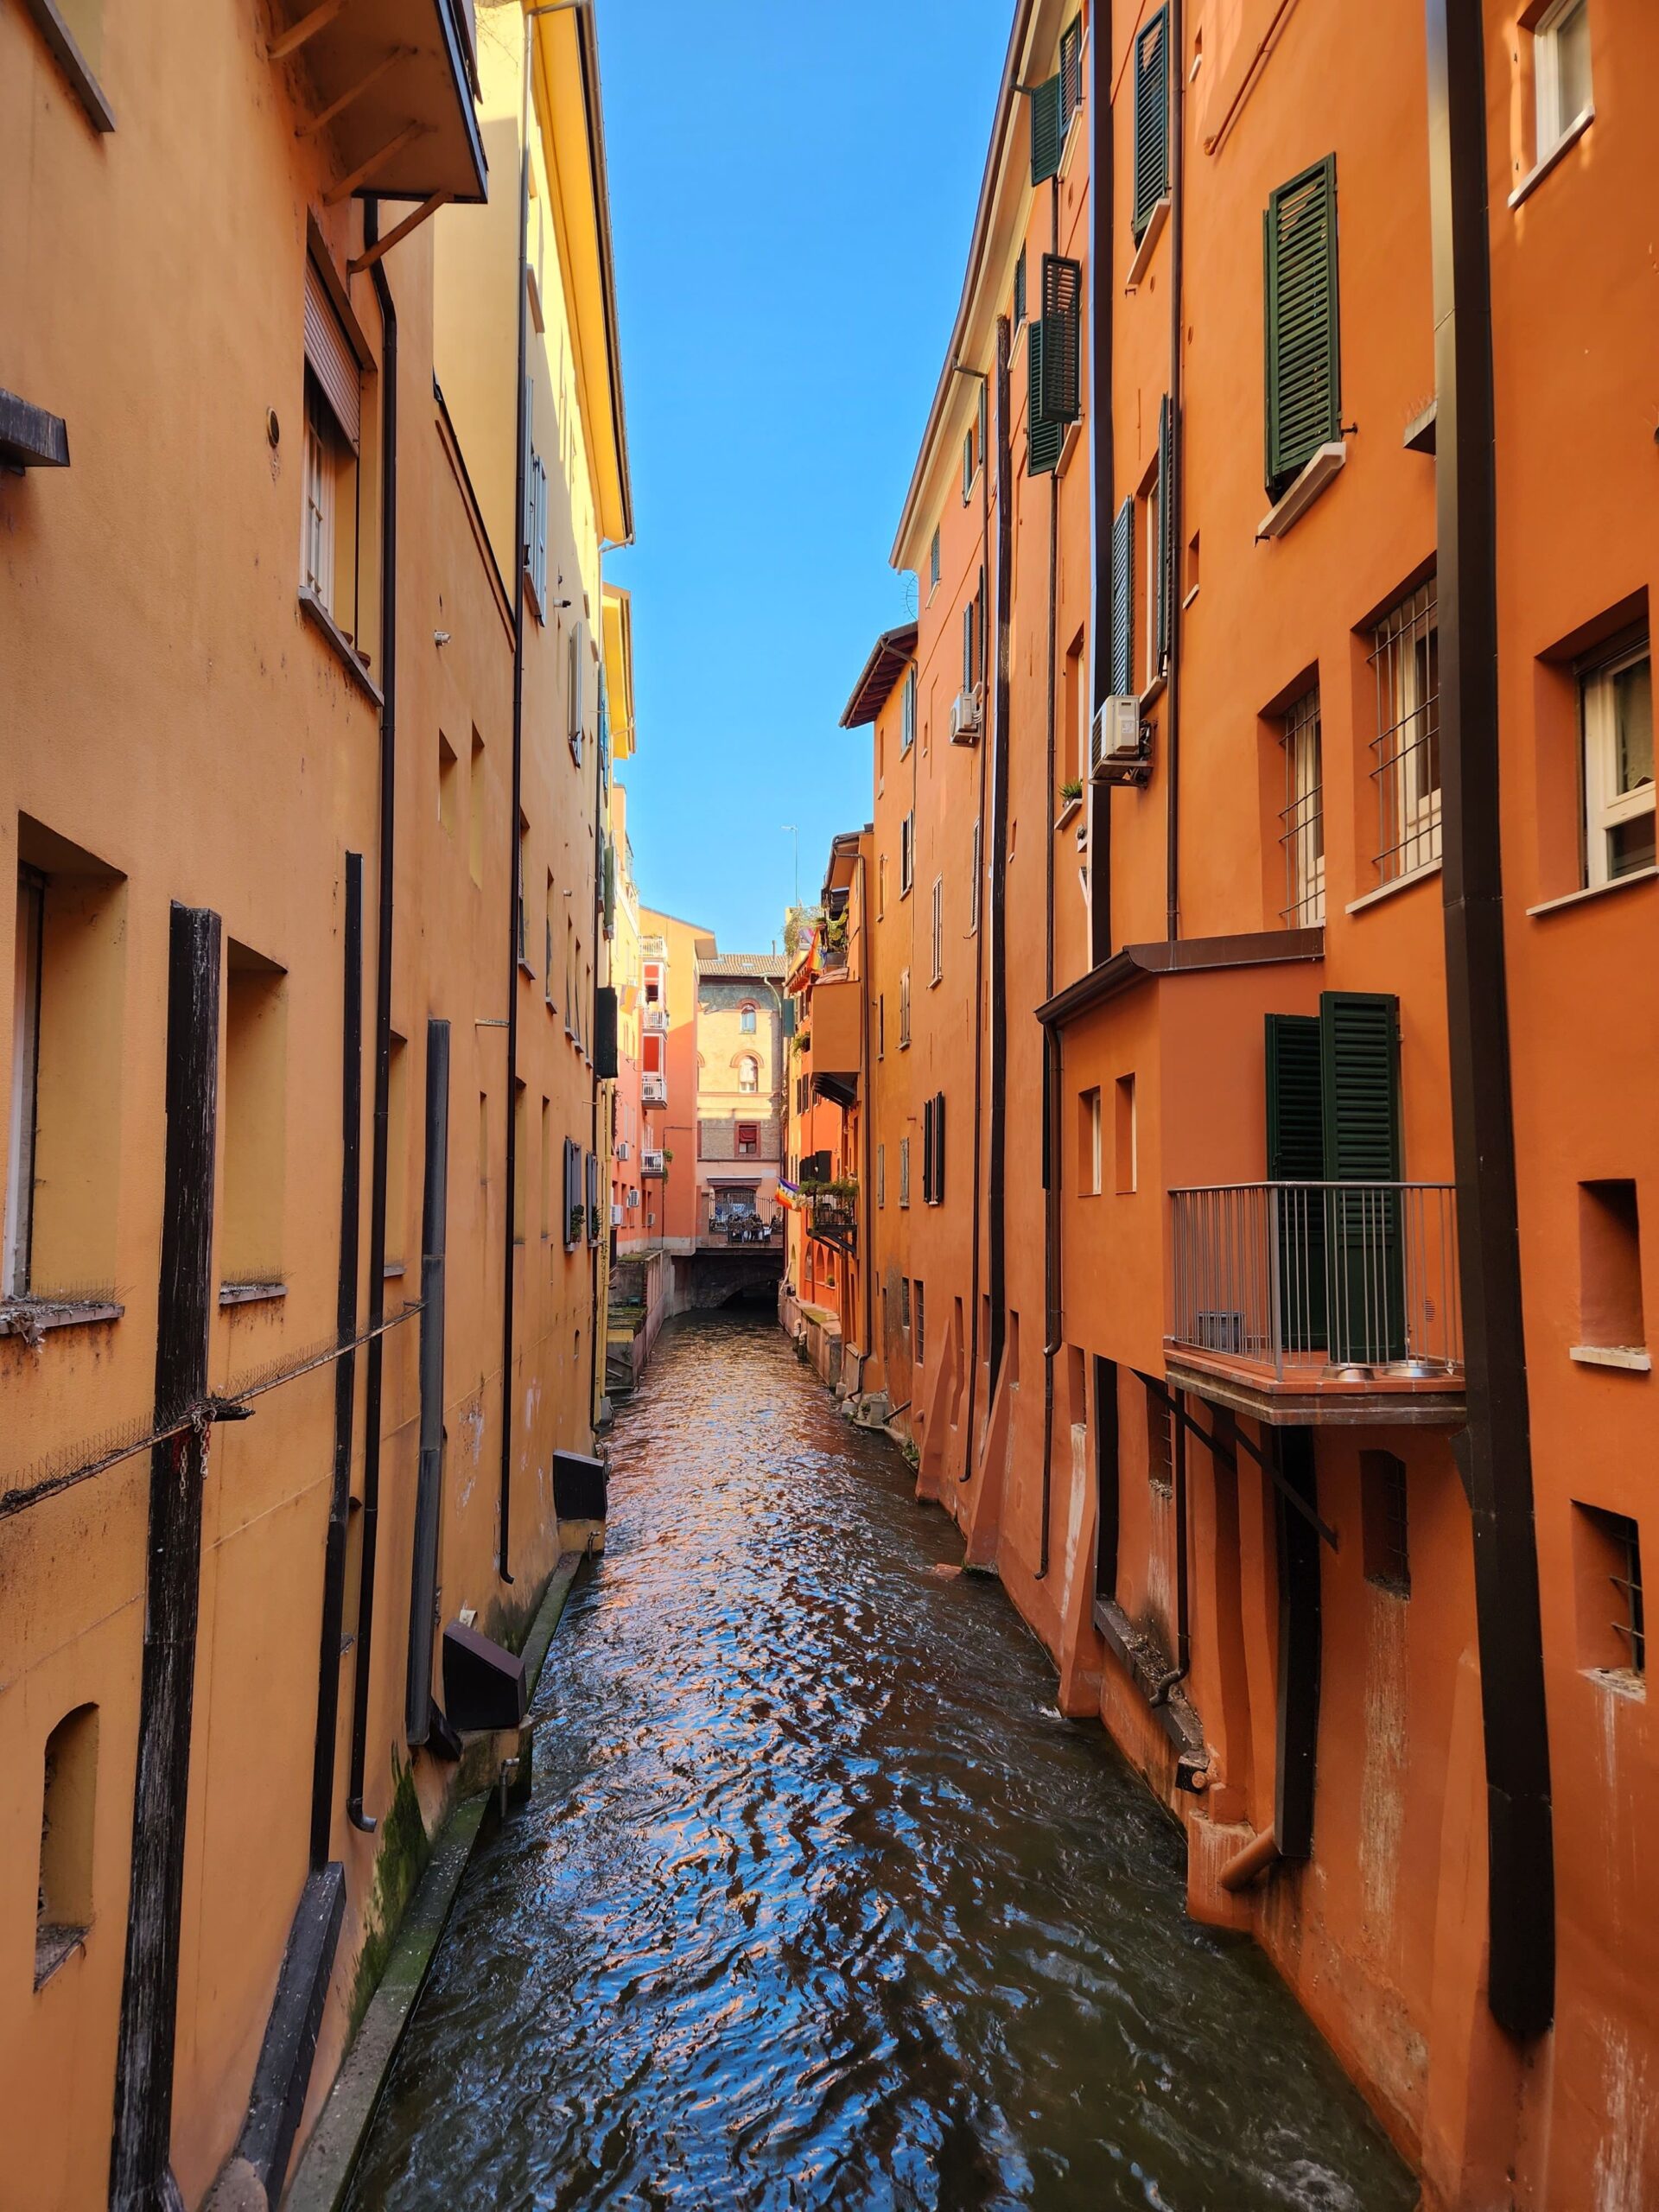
[[818, 1902]]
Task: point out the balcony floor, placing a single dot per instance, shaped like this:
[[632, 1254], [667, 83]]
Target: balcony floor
[[1309, 1395]]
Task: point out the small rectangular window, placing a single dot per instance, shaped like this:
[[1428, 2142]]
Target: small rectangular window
[[547, 1169], [881, 1026], [1607, 1576], [1161, 1463], [63, 1910], [904, 1008], [919, 1307], [1127, 1135], [1384, 1532], [978, 865], [1089, 1160], [520, 1165], [933, 560], [475, 811], [256, 1023], [938, 928], [880, 1175], [1560, 72], [907, 711], [1616, 711], [1302, 820], [1405, 660], [1151, 159], [904, 1171], [906, 853], [449, 785], [1610, 1266], [1020, 290]]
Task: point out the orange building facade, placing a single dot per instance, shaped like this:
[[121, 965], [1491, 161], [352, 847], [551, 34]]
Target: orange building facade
[[1257, 1118]]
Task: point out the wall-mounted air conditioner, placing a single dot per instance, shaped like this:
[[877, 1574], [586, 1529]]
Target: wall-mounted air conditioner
[[1120, 743], [964, 718]]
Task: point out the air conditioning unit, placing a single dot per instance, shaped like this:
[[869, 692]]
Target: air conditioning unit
[[616, 1215], [964, 718], [622, 1148], [1120, 743]]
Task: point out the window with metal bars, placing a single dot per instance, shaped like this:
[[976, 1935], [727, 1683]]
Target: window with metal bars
[[1383, 1530], [1612, 1605], [1160, 1462], [1405, 658], [904, 1178], [1301, 835]]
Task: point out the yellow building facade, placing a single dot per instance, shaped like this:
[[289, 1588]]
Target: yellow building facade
[[302, 777]]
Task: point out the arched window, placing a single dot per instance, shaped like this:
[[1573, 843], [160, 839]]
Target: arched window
[[748, 1073], [747, 1020]]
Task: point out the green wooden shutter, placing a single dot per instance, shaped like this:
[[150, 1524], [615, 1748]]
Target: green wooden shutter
[[1359, 1067], [1122, 602], [1304, 366], [939, 1149], [1020, 290], [1046, 135], [1151, 119], [1165, 520], [1071, 74], [1062, 338], [1296, 1155], [1043, 436]]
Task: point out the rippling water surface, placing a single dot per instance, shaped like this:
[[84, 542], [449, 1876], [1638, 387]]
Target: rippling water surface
[[818, 1902]]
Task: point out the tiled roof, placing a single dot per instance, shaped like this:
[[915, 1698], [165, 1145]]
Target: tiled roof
[[743, 964]]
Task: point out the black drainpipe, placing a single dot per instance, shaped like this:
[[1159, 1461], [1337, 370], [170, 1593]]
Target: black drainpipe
[[521, 469], [1173, 489], [1050, 1055], [979, 936], [1495, 1448], [1102, 463], [360, 1819], [997, 1132], [339, 1496]]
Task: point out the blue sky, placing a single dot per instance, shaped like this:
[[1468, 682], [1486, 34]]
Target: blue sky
[[792, 190]]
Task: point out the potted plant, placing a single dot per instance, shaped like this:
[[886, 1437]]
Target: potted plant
[[1070, 791]]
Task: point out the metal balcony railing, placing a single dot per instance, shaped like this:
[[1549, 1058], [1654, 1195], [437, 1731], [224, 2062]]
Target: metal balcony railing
[[834, 1221], [1306, 1280]]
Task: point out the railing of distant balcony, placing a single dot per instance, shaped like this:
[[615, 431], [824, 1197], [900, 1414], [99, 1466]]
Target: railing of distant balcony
[[833, 1221], [656, 1019], [1316, 1279], [732, 1225]]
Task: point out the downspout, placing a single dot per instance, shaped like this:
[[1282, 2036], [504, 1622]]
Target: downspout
[[979, 938], [601, 1323], [521, 468], [1102, 463], [363, 1669], [997, 1132], [1051, 1056], [1173, 489], [864, 1103], [1495, 1447], [339, 1495]]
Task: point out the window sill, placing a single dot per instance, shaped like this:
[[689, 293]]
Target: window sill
[[54, 1947], [1068, 809], [250, 1294], [315, 613], [1149, 239], [1153, 692], [1068, 445], [29, 1318], [48, 18], [1322, 470], [1539, 169], [1594, 891], [392, 1271], [1387, 890], [525, 967], [1631, 1357]]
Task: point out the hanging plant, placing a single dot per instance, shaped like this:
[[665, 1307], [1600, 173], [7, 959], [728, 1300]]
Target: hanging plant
[[578, 1221]]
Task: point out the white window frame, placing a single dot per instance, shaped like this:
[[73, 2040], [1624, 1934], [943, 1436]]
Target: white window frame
[[1550, 124], [906, 853], [907, 713], [979, 864], [904, 1009], [1405, 643], [938, 929], [748, 1075], [904, 1171], [574, 681], [319, 518], [25, 1063], [1303, 835], [1605, 808], [1153, 535]]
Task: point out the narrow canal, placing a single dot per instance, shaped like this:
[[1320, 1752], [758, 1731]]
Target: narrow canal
[[818, 1902]]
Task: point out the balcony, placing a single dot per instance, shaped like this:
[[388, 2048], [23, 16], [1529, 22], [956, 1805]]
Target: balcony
[[651, 1163], [656, 1020], [834, 1220], [729, 1225], [653, 1088], [1319, 1302], [389, 84]]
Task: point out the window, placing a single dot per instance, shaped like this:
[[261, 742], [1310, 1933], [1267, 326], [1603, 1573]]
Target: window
[[904, 1171], [1607, 1576], [1074, 726], [746, 1020], [906, 853], [969, 468], [536, 533], [881, 1175], [1161, 1464], [938, 928], [973, 909], [396, 1151], [1406, 657], [575, 1202], [904, 1303], [1125, 1135], [1070, 73], [521, 1164], [919, 1307], [63, 1117], [881, 888], [1304, 378], [475, 811], [1122, 600], [1053, 105], [63, 1910], [907, 707], [903, 1009], [1054, 376], [1153, 524], [1020, 290], [881, 1026], [933, 560], [547, 1169], [970, 639], [1560, 71], [547, 949], [522, 922], [323, 469], [748, 1073], [748, 1138], [334, 411], [1383, 1530], [449, 785], [1151, 120], [1615, 704], [1302, 835], [575, 686], [933, 1150], [1089, 1160], [1610, 1266]]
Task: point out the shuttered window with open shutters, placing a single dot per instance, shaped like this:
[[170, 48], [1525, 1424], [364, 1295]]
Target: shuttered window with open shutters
[[1296, 1154], [1047, 136], [1055, 363], [1304, 366], [1151, 119], [1123, 636], [1166, 527], [1359, 1069], [1070, 74]]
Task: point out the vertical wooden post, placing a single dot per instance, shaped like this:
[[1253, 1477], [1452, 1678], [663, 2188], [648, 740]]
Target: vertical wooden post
[[139, 2178]]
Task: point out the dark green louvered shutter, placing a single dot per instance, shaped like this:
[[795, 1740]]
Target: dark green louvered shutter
[[608, 888], [1071, 74], [1165, 520], [1046, 135], [1359, 1067], [1020, 290], [1151, 119], [1062, 348], [1122, 638], [939, 1150], [1044, 437], [1304, 364], [1296, 1155]]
